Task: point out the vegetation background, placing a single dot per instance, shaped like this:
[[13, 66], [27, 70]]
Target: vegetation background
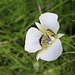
[[16, 17]]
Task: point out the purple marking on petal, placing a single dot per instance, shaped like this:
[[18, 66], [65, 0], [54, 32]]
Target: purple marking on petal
[[40, 40], [51, 31]]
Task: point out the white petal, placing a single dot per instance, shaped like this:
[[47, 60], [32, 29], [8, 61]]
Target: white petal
[[60, 35], [51, 53], [49, 21], [32, 40]]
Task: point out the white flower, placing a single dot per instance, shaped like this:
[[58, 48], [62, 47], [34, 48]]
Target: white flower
[[45, 39]]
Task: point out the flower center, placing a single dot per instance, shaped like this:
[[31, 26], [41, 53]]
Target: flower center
[[47, 38]]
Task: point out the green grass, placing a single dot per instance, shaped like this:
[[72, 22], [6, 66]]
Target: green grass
[[16, 17]]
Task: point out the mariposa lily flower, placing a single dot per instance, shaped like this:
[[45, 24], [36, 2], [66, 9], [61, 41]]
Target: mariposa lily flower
[[45, 39]]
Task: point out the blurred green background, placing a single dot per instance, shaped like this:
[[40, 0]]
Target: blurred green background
[[16, 17]]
